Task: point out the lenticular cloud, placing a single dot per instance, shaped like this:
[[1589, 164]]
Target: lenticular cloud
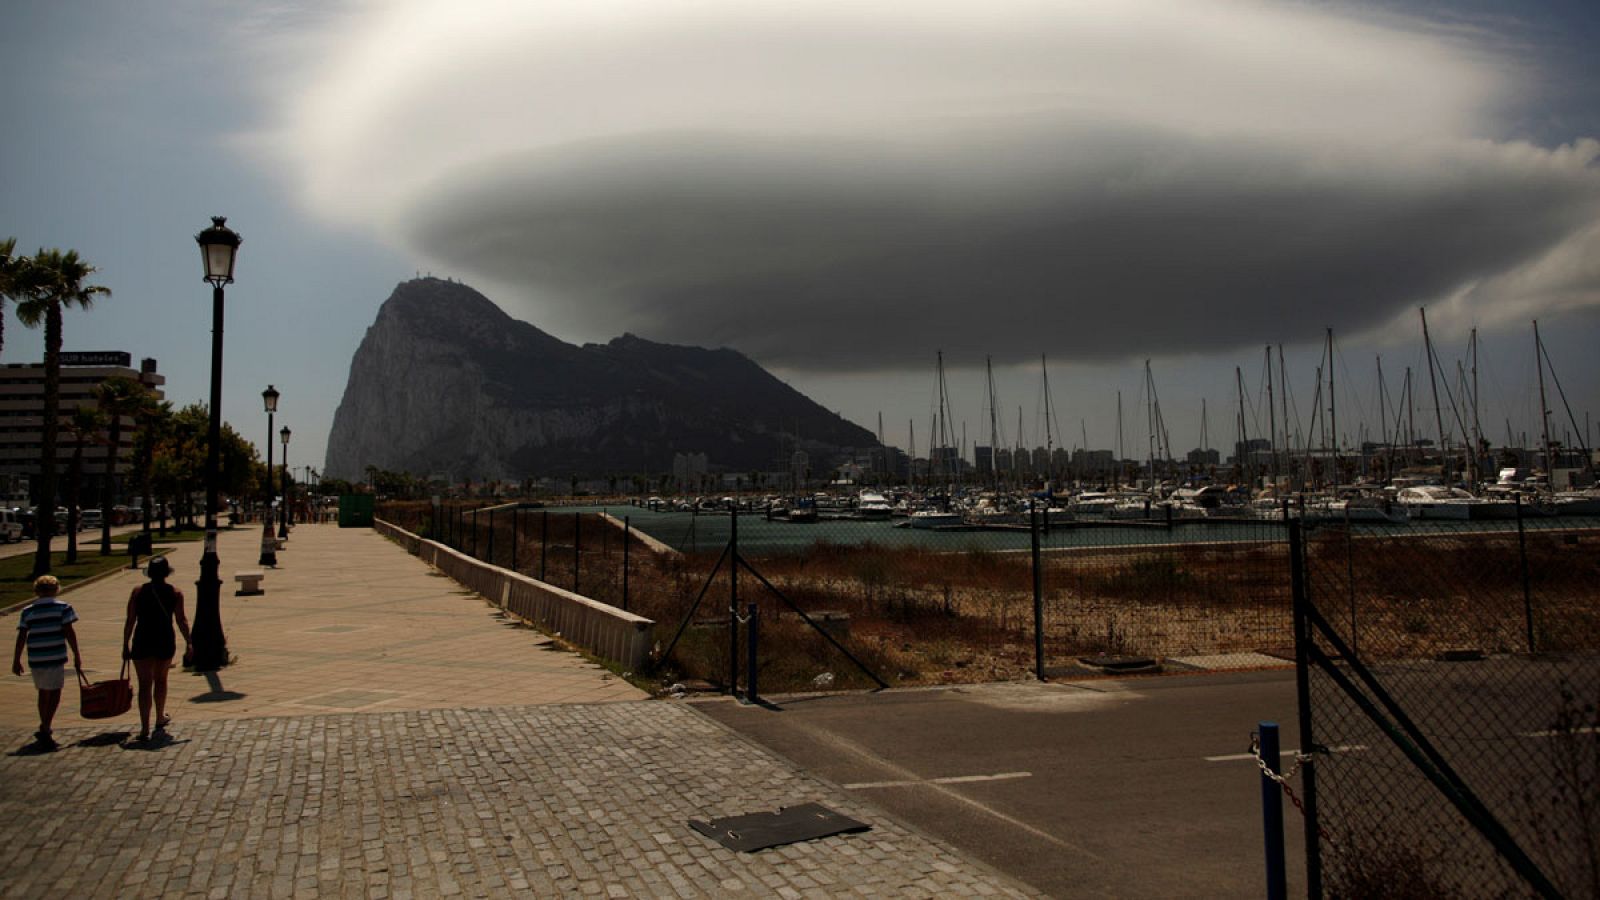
[[850, 185]]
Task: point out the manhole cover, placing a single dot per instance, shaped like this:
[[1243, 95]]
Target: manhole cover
[[787, 825]]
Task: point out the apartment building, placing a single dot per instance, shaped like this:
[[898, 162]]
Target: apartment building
[[22, 414]]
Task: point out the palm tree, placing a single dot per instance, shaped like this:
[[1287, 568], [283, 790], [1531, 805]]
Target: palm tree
[[84, 426], [55, 280], [118, 397], [13, 276]]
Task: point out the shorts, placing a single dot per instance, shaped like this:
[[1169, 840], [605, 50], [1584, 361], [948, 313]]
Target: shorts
[[50, 678]]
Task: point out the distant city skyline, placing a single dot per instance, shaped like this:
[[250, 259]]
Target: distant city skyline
[[838, 192]]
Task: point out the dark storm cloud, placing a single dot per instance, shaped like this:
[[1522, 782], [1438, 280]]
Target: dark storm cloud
[[851, 186], [1095, 239]]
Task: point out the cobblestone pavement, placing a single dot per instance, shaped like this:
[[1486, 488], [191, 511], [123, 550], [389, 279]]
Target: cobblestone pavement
[[477, 775]]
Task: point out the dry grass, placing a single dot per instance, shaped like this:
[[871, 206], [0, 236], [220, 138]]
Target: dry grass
[[920, 616]]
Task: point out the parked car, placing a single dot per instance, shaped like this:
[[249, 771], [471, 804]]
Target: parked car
[[90, 520], [10, 526]]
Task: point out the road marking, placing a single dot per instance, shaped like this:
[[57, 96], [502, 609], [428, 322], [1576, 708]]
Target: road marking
[[846, 745], [953, 779], [1584, 729], [1235, 757]]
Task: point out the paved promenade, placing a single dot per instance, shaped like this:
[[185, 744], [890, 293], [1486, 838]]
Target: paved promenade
[[382, 733]]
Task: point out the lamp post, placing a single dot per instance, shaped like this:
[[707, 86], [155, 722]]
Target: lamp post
[[283, 520], [269, 546], [219, 247]]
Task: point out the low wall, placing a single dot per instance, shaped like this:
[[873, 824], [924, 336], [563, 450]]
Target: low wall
[[601, 629], [645, 539]]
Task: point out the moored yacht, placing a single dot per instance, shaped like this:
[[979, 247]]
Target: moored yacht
[[1432, 501], [934, 518], [873, 505]]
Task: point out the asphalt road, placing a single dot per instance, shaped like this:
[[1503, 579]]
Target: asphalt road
[[1083, 789]]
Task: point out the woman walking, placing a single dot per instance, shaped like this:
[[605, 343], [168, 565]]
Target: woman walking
[[147, 640]]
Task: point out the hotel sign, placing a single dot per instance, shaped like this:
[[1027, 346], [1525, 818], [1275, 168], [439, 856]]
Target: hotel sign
[[99, 358]]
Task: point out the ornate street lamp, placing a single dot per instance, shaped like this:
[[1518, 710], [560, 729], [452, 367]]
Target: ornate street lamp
[[283, 520], [269, 545], [219, 247]]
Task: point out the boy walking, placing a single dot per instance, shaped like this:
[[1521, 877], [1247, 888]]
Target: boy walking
[[45, 626]]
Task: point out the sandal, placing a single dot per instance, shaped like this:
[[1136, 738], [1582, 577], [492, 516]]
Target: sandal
[[163, 722], [142, 738]]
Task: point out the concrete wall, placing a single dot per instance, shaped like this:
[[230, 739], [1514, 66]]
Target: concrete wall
[[599, 628], [645, 539]]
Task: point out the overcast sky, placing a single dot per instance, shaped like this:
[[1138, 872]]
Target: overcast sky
[[840, 191]]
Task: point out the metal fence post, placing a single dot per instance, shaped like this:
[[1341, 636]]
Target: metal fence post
[[544, 541], [1272, 811], [474, 532], [733, 603], [1038, 595], [751, 693], [490, 557], [1350, 576], [516, 513], [627, 533], [577, 549], [1527, 590], [1302, 678]]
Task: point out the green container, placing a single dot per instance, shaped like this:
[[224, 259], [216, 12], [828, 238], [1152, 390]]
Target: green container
[[355, 510]]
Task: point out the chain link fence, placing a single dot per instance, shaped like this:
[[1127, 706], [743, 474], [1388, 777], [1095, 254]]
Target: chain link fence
[[1456, 696], [935, 599]]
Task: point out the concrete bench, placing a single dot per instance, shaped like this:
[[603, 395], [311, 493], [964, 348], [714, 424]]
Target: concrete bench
[[249, 583]]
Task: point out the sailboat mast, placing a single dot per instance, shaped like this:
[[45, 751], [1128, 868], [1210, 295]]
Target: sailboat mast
[[1272, 419], [1150, 420], [994, 426], [1468, 455], [1383, 422], [1049, 433], [1283, 399], [1477, 426], [1083, 427], [1433, 381], [1120, 450], [944, 438], [1020, 448], [1248, 463], [911, 459], [1544, 407], [1411, 419], [1333, 411]]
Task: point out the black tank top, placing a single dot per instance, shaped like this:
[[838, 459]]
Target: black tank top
[[153, 607]]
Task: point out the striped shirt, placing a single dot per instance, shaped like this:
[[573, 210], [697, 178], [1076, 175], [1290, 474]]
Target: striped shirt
[[43, 622]]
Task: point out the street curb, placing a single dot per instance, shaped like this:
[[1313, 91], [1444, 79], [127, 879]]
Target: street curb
[[82, 582]]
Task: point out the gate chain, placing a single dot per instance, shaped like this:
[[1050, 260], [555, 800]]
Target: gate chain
[[1283, 781]]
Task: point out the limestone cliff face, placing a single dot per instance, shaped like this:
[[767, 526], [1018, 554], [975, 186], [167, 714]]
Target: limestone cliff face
[[446, 383]]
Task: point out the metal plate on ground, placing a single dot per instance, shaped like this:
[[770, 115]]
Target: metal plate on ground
[[787, 825]]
